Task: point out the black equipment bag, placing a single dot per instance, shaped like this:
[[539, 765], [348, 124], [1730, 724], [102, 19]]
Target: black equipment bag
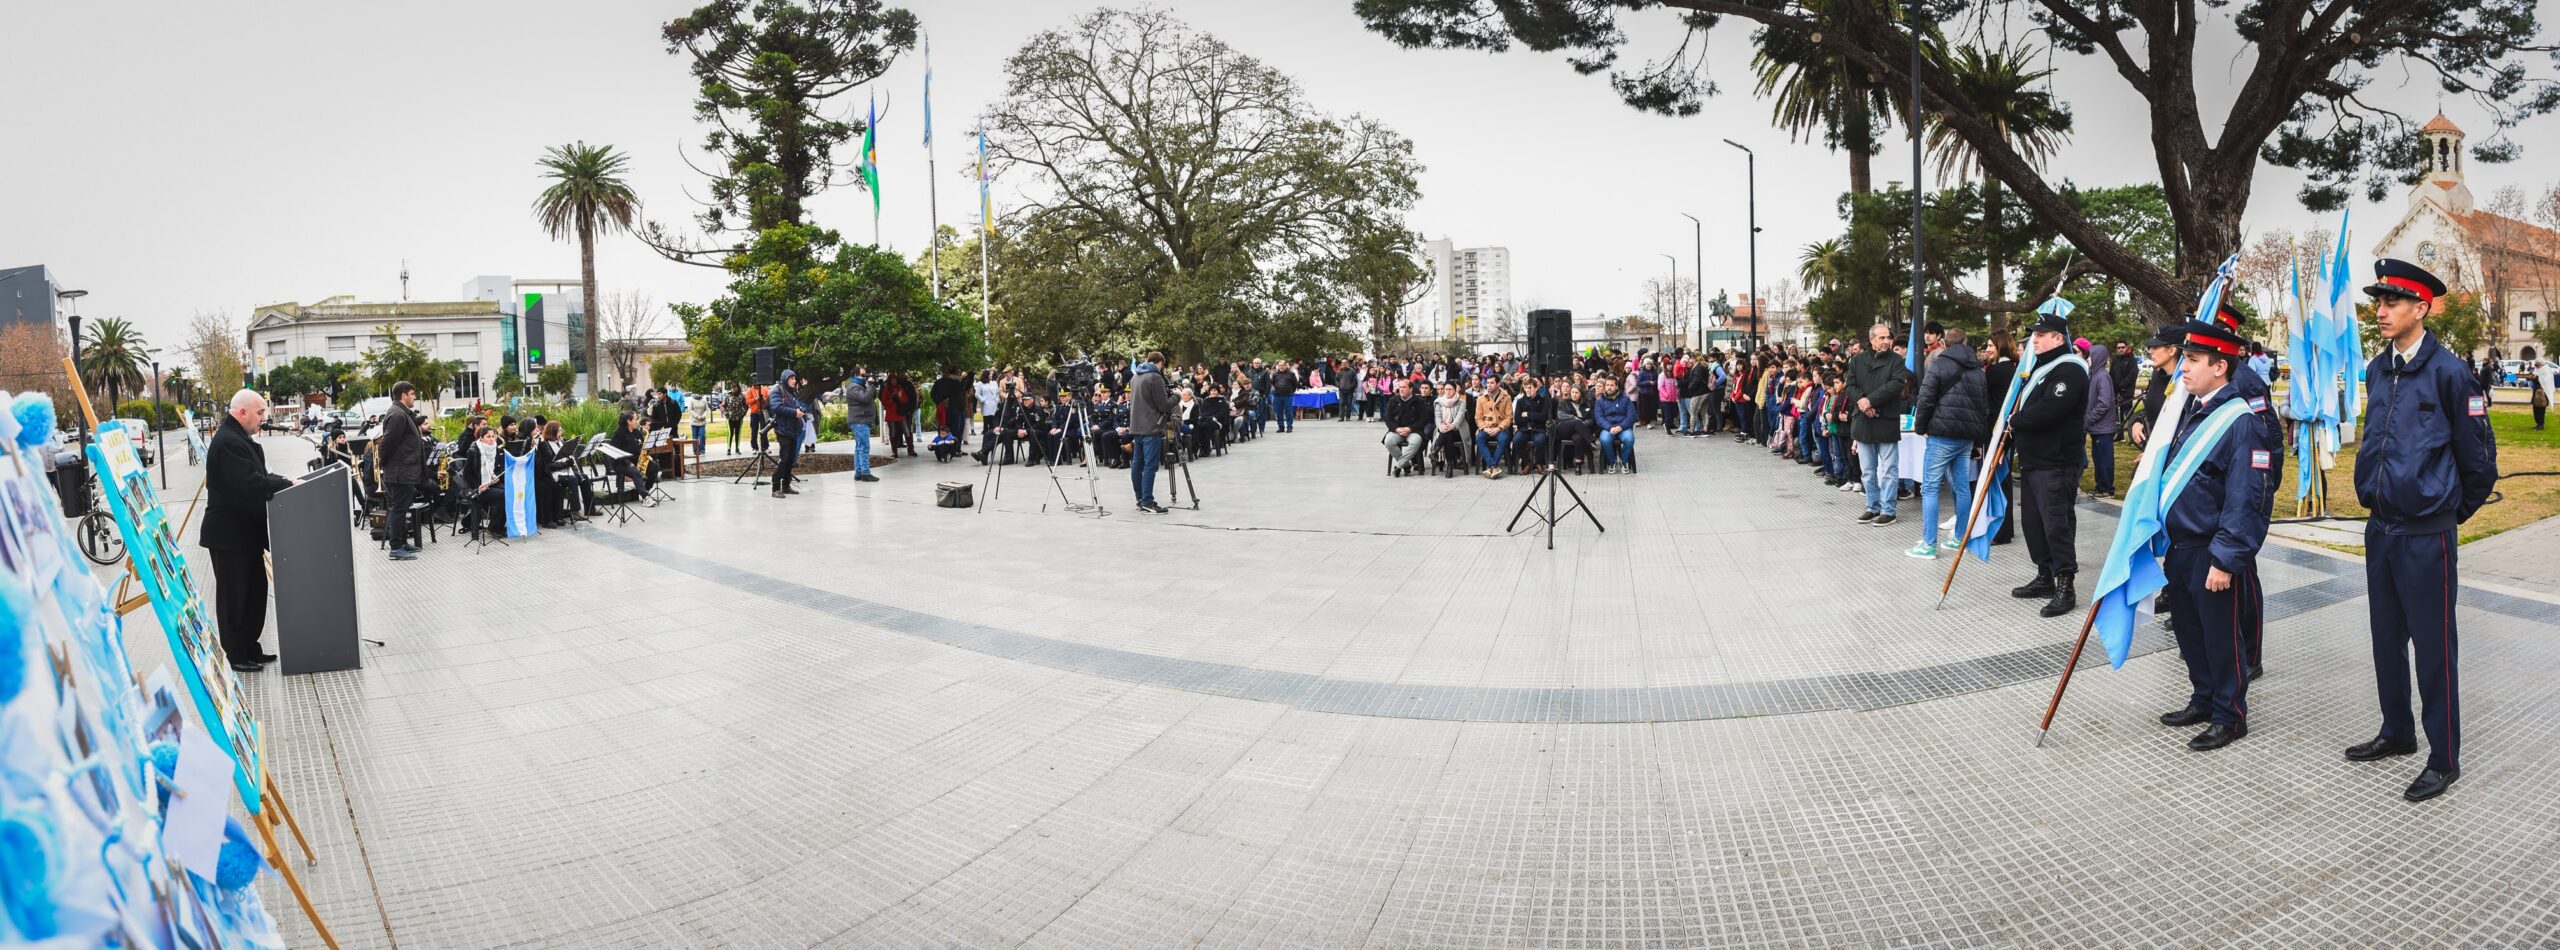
[[954, 495]]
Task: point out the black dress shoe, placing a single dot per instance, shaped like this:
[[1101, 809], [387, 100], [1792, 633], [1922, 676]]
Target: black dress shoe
[[2381, 748], [244, 666], [2255, 672], [2042, 586], [2194, 713], [2218, 735], [2430, 784], [266, 658]]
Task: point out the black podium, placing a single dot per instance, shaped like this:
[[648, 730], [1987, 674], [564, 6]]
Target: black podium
[[315, 574]]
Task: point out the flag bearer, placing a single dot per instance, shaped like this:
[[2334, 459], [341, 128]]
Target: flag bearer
[[2218, 489], [2250, 386], [2427, 462]]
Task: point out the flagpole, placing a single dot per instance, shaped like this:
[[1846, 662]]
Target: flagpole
[[932, 181], [2067, 667]]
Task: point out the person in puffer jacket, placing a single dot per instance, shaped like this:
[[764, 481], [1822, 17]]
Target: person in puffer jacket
[[1954, 411]]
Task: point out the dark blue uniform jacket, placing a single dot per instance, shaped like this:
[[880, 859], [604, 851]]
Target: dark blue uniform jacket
[[2427, 460], [2224, 508]]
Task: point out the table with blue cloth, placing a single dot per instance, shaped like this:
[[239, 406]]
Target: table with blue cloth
[[1315, 398]]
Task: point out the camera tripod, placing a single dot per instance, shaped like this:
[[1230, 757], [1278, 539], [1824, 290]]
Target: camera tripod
[[1078, 413], [1177, 459]]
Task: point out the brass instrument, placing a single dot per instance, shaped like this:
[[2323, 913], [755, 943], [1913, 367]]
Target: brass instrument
[[644, 459]]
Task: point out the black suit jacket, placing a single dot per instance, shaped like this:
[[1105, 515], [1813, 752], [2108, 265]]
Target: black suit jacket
[[237, 486]]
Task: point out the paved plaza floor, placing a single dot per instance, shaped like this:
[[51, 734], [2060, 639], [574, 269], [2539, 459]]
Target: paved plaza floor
[[1334, 709]]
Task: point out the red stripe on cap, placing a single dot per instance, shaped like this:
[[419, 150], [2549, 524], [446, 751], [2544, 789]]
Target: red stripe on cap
[[2414, 288], [2227, 317], [2225, 347]]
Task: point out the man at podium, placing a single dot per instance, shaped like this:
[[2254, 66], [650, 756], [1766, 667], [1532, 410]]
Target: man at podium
[[237, 486]]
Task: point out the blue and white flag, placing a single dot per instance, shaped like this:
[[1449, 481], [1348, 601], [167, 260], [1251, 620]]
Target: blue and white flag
[[2131, 574], [2307, 405], [2342, 343], [517, 496]]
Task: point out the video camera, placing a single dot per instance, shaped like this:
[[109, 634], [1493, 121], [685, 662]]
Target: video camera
[[1080, 377]]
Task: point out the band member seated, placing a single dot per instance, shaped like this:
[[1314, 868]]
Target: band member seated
[[483, 468], [627, 434], [577, 498]]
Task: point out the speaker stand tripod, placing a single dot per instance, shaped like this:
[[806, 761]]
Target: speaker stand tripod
[[760, 466], [1550, 479]]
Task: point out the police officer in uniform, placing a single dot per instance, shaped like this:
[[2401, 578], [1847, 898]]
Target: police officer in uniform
[[2047, 428], [2216, 524], [2427, 463], [2246, 382]]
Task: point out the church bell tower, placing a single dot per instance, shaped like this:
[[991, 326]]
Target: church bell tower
[[2443, 174]]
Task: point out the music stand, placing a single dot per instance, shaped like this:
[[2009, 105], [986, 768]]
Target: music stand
[[650, 444], [619, 509]]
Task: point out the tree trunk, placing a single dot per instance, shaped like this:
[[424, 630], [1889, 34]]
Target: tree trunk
[[1859, 132], [1991, 232], [587, 286]]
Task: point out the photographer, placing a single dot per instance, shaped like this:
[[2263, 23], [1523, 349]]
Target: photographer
[[861, 412], [786, 411], [1150, 407]]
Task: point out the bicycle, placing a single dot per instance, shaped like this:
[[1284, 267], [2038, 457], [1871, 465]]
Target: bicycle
[[99, 539]]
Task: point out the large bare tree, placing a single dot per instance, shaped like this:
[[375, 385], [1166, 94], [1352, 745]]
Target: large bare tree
[[1208, 169], [627, 321]]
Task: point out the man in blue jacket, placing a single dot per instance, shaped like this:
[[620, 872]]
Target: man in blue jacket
[[2427, 463], [2217, 521]]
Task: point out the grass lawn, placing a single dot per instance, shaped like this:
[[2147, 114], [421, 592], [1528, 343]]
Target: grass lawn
[[2521, 500]]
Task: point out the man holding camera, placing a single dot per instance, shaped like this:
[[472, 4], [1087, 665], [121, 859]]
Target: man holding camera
[[1150, 410], [861, 412]]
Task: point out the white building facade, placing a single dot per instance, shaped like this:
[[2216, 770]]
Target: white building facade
[[2515, 263], [340, 330], [1480, 291]]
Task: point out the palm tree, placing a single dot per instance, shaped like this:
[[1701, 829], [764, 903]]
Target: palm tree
[[2000, 85], [1819, 268], [114, 356], [1814, 88], [587, 197]]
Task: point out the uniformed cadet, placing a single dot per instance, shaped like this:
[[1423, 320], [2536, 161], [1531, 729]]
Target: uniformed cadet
[[2216, 521], [2046, 429], [2246, 382], [2427, 462]]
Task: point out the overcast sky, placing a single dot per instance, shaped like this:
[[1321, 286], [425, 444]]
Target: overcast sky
[[176, 157]]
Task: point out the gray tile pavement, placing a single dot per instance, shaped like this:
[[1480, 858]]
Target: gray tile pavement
[[1332, 709]]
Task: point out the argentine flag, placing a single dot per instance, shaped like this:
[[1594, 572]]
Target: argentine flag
[[2131, 575], [516, 495]]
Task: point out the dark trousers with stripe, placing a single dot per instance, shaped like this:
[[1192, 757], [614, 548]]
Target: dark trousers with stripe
[[2409, 587], [2210, 637], [2253, 619]]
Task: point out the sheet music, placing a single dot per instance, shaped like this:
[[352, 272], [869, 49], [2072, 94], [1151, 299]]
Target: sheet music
[[612, 454], [658, 438]]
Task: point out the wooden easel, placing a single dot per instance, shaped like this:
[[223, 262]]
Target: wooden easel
[[265, 818]]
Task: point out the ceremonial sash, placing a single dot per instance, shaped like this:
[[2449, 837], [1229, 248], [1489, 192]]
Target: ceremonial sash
[[517, 495], [2191, 456]]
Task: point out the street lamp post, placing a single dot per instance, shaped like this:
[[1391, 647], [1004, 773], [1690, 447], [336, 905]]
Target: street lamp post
[[1673, 292], [1698, 248], [159, 437], [78, 425], [1751, 192]]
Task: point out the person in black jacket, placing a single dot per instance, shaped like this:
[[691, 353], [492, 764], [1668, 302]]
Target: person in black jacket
[[403, 458], [1530, 414], [237, 486], [1408, 419], [1954, 413], [1878, 388], [2048, 426]]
